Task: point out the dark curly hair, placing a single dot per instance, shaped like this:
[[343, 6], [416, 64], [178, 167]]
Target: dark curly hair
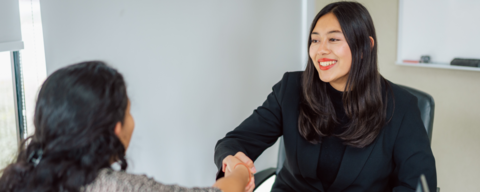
[[77, 109]]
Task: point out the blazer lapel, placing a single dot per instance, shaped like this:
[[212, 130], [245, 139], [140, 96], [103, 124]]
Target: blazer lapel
[[308, 161], [352, 163]]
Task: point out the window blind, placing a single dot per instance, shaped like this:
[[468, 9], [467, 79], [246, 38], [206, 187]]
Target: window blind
[[10, 32]]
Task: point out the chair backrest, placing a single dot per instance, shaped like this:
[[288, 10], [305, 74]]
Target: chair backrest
[[425, 103]]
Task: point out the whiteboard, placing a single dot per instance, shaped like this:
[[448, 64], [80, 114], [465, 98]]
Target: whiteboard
[[443, 29]]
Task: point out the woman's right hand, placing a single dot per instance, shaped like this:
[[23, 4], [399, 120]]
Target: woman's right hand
[[237, 175], [240, 157], [230, 163]]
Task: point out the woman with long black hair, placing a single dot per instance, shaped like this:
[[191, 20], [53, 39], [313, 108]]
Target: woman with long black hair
[[345, 127], [82, 126]]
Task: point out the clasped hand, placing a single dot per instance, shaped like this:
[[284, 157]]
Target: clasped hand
[[230, 162]]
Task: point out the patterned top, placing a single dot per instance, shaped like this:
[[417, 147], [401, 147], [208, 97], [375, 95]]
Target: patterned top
[[109, 180]]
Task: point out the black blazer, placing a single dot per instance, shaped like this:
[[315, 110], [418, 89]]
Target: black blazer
[[393, 162]]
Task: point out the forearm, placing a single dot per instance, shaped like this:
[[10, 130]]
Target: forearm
[[236, 181], [224, 149]]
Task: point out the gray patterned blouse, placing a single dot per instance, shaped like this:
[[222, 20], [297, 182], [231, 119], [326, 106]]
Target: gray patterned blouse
[[109, 180]]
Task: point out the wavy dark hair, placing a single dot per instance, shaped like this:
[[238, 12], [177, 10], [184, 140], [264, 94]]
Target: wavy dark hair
[[77, 109], [362, 98]]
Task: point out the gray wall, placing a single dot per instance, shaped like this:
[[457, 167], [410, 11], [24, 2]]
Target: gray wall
[[194, 69]]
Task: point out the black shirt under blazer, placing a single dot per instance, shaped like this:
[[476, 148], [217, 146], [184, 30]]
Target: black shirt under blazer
[[393, 162]]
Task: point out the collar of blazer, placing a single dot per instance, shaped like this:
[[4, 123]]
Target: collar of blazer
[[353, 160], [352, 163]]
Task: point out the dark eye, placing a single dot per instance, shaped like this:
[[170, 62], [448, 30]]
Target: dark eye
[[314, 41], [332, 39]]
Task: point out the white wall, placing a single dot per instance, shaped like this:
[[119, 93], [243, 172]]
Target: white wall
[[194, 69]]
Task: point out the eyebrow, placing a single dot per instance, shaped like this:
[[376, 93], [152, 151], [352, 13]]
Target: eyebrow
[[333, 31]]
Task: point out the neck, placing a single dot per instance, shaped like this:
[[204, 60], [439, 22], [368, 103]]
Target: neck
[[338, 86]]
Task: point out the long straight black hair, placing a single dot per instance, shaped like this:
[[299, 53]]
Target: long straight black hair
[[76, 111], [362, 96]]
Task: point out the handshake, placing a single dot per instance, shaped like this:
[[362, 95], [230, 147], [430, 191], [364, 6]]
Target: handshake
[[240, 164]]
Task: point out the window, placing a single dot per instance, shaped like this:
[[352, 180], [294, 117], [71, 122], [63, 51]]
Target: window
[[30, 72], [32, 57], [8, 125]]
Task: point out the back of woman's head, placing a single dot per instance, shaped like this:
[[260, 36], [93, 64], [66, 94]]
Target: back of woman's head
[[77, 109]]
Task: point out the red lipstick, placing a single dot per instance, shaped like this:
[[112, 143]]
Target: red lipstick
[[323, 68], [325, 59]]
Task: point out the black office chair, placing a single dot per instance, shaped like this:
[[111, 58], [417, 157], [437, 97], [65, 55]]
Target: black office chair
[[427, 109]]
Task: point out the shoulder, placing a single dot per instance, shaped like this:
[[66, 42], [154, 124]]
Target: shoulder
[[400, 97], [290, 81], [292, 76], [289, 87], [404, 106], [110, 180], [400, 92]]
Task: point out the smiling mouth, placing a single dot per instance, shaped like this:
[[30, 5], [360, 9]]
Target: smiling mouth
[[327, 63]]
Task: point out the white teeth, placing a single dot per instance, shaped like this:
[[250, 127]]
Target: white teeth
[[327, 63]]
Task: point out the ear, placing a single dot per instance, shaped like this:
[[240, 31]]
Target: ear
[[118, 130], [372, 42]]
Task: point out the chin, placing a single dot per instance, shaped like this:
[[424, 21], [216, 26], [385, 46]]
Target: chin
[[325, 79]]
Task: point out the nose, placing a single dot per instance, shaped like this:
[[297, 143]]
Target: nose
[[323, 48]]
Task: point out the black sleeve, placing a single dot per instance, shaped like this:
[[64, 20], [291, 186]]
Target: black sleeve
[[256, 133], [412, 152]]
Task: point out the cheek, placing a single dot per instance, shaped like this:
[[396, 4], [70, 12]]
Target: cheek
[[129, 126], [312, 52], [132, 125], [345, 53]]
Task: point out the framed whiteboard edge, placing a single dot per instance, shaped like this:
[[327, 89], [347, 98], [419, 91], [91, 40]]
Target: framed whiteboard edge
[[399, 30], [439, 66], [430, 65]]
